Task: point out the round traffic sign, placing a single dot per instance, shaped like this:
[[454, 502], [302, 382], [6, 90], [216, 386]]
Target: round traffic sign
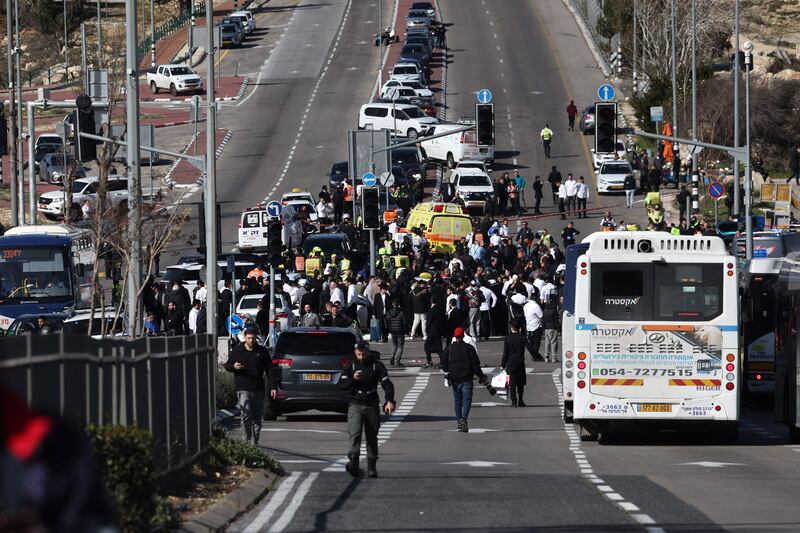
[[274, 208], [234, 324], [606, 92], [369, 179], [716, 190], [387, 179], [484, 96]]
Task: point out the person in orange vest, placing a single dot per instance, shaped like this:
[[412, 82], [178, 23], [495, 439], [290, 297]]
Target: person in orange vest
[[348, 198], [256, 273]]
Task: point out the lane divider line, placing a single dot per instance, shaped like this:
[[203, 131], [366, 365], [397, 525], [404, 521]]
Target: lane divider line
[[588, 472], [294, 505], [277, 499]]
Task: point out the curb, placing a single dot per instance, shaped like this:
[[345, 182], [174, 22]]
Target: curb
[[598, 57], [230, 506], [217, 154]]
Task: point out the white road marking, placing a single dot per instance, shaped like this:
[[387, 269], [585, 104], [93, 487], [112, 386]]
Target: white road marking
[[291, 509], [302, 430], [586, 469], [277, 499], [478, 464]]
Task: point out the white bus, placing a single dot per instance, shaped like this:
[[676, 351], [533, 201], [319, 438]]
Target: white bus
[[655, 336]]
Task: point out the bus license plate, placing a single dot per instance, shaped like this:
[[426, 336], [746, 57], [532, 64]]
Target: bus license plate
[[654, 407], [316, 377]]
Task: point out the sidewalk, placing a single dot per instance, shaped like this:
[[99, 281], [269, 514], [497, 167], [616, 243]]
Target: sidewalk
[[184, 173]]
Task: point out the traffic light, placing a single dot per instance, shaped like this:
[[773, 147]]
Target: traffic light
[[87, 148], [484, 124], [605, 128], [274, 238], [370, 208]]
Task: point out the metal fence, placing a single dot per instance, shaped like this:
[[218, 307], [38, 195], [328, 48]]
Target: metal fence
[[164, 385], [591, 11], [169, 26]]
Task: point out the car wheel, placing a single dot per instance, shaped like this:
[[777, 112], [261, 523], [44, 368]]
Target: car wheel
[[76, 213], [153, 87], [451, 162], [412, 133], [50, 216], [172, 90]]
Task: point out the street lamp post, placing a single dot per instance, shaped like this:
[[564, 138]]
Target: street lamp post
[[737, 205], [695, 174], [748, 182]]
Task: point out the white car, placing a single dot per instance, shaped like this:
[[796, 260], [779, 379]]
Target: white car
[[247, 306], [403, 119], [472, 163], [78, 324], [407, 72], [296, 194], [456, 147], [474, 186], [248, 19], [188, 274], [174, 78], [51, 204], [419, 89], [303, 202], [611, 176], [599, 159]]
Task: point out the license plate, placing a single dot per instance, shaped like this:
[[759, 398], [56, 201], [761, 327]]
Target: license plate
[[654, 407], [616, 187], [316, 377]]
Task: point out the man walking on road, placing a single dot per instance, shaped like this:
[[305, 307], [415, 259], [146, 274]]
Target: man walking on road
[[513, 363], [582, 196], [546, 137], [533, 326], [250, 363], [630, 190], [396, 325], [571, 112], [365, 373], [554, 179], [572, 193], [460, 363]]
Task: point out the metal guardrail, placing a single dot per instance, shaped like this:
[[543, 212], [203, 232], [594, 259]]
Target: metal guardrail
[[169, 27], [165, 385]]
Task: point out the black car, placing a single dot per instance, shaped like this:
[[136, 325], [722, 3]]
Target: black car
[[29, 323], [336, 243], [338, 173], [414, 52], [311, 370], [409, 159], [421, 39]]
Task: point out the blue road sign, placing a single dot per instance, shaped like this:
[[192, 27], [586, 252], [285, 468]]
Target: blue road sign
[[274, 208], [234, 324], [716, 190], [606, 92], [484, 96], [369, 179]]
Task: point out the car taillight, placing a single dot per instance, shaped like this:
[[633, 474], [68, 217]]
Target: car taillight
[[344, 361], [282, 363], [281, 315]]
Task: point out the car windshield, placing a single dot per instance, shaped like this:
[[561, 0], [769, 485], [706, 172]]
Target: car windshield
[[616, 169], [48, 149], [317, 343], [249, 303], [81, 326], [414, 112], [181, 71], [339, 170], [181, 274], [327, 245], [228, 28], [414, 85], [417, 14], [405, 156], [78, 186], [474, 181], [411, 49], [421, 5], [57, 160], [405, 70], [34, 274]]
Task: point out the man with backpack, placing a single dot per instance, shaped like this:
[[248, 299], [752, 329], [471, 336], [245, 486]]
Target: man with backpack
[[474, 300]]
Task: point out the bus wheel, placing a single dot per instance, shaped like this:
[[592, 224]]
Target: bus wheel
[[588, 433], [794, 435]]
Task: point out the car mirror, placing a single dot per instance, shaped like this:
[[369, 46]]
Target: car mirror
[[591, 150]]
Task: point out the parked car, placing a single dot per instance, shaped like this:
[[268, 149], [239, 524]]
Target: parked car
[[28, 323], [339, 172], [427, 7], [408, 72], [312, 368], [297, 194], [42, 150], [599, 159], [52, 169], [236, 21], [586, 124], [336, 243], [419, 89], [78, 324], [248, 24], [410, 160], [229, 36], [456, 147], [474, 186], [247, 306], [414, 52], [174, 78], [611, 176], [186, 274], [403, 119], [418, 18]]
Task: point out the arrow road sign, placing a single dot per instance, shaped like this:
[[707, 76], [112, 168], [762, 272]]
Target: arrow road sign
[[369, 179], [234, 324], [716, 190], [606, 92], [274, 208], [484, 96]]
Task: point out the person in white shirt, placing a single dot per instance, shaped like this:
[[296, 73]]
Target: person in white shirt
[[202, 292], [495, 240], [193, 312], [337, 296], [562, 200], [489, 301], [582, 197], [505, 230], [533, 328], [324, 211], [546, 292], [571, 187], [296, 293]]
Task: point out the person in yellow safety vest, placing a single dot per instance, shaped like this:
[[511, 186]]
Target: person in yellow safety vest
[[384, 261], [344, 265], [546, 137], [256, 273]]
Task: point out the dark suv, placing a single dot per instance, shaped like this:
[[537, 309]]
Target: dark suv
[[311, 364]]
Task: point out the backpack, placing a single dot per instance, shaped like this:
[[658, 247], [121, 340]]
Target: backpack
[[475, 298]]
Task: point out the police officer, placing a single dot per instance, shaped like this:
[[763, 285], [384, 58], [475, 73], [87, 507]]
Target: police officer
[[364, 375], [546, 137]]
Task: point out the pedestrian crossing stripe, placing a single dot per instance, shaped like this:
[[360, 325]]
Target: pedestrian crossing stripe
[[618, 382], [695, 382]]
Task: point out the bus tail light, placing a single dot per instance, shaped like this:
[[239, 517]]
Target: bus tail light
[[568, 354], [718, 408], [582, 355], [282, 363], [729, 385], [731, 376], [730, 358], [729, 367], [759, 377], [592, 406], [581, 365], [581, 384]]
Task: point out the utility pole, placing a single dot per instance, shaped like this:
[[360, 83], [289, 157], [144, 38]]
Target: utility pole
[[211, 182], [191, 41], [635, 31], [99, 37], [66, 47], [12, 130], [152, 34], [737, 201], [695, 176], [84, 68], [748, 178], [674, 80], [380, 42], [134, 169], [18, 85]]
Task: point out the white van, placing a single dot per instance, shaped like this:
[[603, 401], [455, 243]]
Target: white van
[[403, 119], [456, 147], [253, 229]]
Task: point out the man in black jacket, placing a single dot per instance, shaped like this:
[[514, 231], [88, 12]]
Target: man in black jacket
[[381, 304], [336, 319], [460, 363], [363, 377], [513, 362], [251, 364], [396, 325]]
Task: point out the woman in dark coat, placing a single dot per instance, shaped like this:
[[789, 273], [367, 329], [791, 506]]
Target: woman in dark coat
[[437, 324], [513, 363]]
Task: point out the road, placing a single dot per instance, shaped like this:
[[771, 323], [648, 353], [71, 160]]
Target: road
[[517, 469]]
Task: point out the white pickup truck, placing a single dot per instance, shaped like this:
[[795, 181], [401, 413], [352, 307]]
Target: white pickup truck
[[175, 79]]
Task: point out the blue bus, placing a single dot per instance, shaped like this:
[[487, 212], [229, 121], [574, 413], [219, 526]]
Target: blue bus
[[45, 269]]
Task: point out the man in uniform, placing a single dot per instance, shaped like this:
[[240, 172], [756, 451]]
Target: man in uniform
[[364, 375], [546, 136]]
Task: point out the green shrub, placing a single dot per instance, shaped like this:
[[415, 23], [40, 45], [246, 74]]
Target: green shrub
[[230, 452], [125, 458], [226, 393]]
